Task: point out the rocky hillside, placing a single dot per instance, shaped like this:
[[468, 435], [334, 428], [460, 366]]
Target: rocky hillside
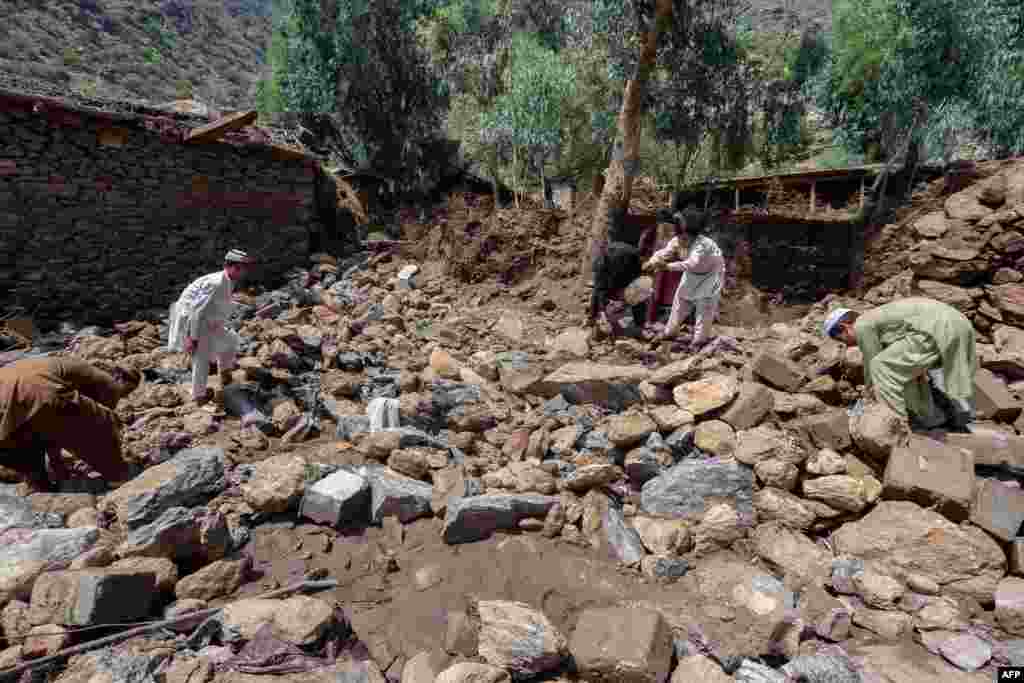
[[484, 492], [211, 50], [214, 49]]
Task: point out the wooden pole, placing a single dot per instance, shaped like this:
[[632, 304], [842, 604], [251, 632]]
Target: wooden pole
[[814, 187], [10, 674]]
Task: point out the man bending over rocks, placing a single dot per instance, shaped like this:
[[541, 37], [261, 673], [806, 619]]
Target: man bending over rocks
[[907, 342], [197, 323], [47, 404]]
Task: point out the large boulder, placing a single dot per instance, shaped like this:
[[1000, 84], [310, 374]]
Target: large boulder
[[878, 430], [612, 386], [692, 487], [900, 537], [192, 477], [518, 638]]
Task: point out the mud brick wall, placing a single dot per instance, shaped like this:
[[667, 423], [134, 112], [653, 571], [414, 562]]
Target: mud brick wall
[[102, 217]]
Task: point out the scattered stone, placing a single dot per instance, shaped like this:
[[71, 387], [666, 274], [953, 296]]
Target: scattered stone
[[777, 372], [792, 552], [690, 488], [1009, 598], [930, 473], [715, 437], [93, 596], [338, 499], [518, 638], [163, 569], [663, 536], [477, 517], [826, 462], [838, 490], [628, 430], [754, 402], [878, 430], [468, 672], [878, 590], [610, 386], [829, 430], [215, 580], [592, 476], [932, 224], [967, 652], [618, 644], [180, 534], [993, 400], [699, 668], [192, 477], [886, 624], [276, 484], [300, 620], [662, 567], [45, 640], [395, 495], [706, 395], [774, 504], [26, 553], [899, 536], [777, 473], [999, 509]]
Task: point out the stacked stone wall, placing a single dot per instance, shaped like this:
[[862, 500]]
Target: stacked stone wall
[[102, 217]]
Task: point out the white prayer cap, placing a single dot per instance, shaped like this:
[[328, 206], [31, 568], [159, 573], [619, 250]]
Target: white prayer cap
[[237, 256], [833, 320]]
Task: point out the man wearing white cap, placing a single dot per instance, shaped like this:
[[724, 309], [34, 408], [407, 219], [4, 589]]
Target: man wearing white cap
[[905, 343], [197, 323]]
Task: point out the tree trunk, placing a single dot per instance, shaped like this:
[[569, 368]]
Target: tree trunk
[[618, 183]]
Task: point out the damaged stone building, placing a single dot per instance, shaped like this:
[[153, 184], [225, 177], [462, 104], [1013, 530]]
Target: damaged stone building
[[109, 209]]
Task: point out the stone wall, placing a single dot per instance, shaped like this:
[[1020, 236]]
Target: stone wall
[[803, 259], [102, 217]]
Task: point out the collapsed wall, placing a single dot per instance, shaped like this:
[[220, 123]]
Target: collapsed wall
[[102, 216]]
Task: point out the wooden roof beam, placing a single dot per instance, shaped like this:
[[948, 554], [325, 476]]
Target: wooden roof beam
[[211, 132]]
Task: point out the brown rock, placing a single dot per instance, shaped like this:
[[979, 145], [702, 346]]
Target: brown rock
[[965, 206], [213, 581], [703, 396], [663, 536], [516, 637], [777, 372], [777, 473], [300, 620], [412, 462], [628, 645], [878, 430], [999, 510], [277, 483], [470, 672], [753, 403], [715, 437], [1009, 598], [838, 490], [901, 536], [932, 224], [993, 399], [630, 429], [45, 640], [929, 473], [165, 571], [774, 504], [379, 445], [791, 551]]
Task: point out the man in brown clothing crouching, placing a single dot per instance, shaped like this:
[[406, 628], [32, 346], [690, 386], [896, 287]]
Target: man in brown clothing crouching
[[49, 404]]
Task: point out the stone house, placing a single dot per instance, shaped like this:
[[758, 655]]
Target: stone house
[[109, 209]]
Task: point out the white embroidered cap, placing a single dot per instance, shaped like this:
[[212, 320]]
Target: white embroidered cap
[[833, 320], [237, 256]]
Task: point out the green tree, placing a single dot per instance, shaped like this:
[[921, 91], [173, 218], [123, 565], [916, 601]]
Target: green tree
[[528, 115]]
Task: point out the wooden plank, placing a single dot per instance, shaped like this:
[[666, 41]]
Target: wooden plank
[[212, 131]]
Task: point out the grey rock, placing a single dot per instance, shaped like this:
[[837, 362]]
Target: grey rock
[[557, 406], [476, 518], [666, 567], [94, 596], [350, 426], [16, 512], [623, 540], [241, 398], [753, 672], [392, 495], [198, 476], [181, 534], [681, 441], [54, 547], [340, 498], [692, 486], [822, 669], [844, 571], [1014, 651]]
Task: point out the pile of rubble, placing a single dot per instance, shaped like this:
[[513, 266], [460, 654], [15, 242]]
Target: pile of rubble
[[733, 519]]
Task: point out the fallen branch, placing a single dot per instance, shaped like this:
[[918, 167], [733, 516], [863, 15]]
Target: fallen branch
[[9, 674]]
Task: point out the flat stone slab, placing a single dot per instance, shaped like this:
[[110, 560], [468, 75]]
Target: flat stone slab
[[343, 497], [690, 488], [477, 517]]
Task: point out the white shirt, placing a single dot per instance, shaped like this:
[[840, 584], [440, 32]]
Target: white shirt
[[201, 309], [703, 270]]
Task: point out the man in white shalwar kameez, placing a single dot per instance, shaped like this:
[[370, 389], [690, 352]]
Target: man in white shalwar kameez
[[703, 276], [197, 323]]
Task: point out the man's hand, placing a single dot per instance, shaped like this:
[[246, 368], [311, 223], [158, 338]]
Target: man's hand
[[190, 344]]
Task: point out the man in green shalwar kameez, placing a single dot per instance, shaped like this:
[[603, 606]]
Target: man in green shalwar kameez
[[906, 342]]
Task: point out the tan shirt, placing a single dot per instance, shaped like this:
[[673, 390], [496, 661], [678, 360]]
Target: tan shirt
[[27, 386]]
